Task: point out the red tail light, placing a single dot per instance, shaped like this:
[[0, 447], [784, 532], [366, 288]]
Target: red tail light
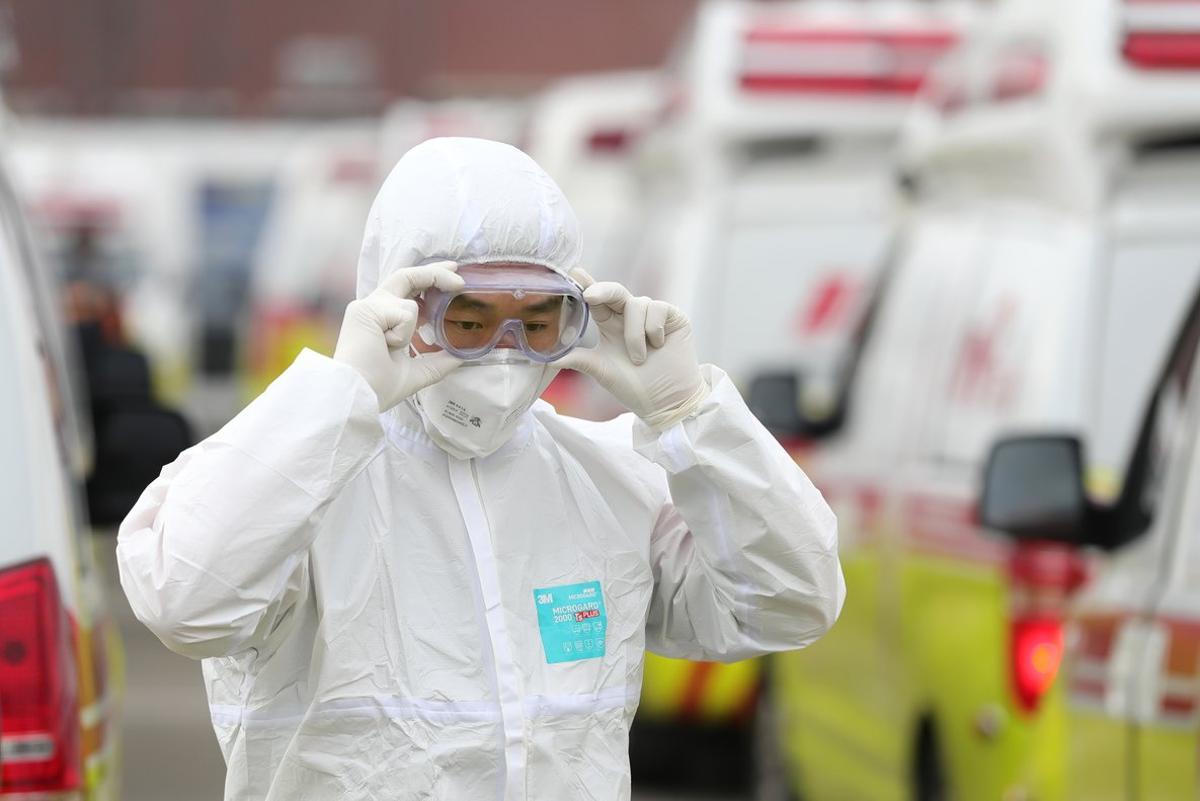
[[39, 713], [1036, 653], [818, 61], [1162, 34], [1042, 576]]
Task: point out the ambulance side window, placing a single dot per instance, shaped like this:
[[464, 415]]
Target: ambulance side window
[[1187, 533], [1162, 431]]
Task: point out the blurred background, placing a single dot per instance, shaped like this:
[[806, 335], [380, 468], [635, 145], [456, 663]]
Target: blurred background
[[949, 250]]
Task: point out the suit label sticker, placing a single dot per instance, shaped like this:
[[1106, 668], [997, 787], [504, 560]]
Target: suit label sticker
[[572, 620]]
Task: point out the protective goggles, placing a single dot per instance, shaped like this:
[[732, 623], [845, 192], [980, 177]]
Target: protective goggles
[[533, 309]]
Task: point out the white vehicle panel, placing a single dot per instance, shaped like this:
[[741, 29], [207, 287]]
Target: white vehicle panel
[[34, 494]]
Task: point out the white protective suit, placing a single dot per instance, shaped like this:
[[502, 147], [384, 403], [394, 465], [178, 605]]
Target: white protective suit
[[379, 620]]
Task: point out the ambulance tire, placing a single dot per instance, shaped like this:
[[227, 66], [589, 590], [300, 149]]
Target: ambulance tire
[[929, 775], [769, 776], [679, 757]]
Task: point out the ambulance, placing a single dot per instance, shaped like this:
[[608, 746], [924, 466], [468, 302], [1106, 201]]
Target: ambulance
[[177, 210], [769, 206], [771, 201], [59, 652], [306, 258], [1051, 255], [584, 131], [1132, 635]]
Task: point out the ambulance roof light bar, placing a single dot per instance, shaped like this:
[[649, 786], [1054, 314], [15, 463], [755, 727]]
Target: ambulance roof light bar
[[1162, 34]]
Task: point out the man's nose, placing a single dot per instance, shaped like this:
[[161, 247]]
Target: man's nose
[[508, 339]]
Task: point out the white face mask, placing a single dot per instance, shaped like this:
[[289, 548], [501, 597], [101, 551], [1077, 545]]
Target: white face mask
[[476, 409]]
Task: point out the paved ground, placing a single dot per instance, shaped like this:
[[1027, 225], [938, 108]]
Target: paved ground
[[170, 752]]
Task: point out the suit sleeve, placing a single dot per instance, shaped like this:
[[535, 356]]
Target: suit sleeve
[[744, 552], [213, 557]]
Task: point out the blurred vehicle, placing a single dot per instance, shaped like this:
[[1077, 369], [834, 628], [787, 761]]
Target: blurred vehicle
[[770, 180], [59, 652], [1053, 249], [584, 132], [179, 209], [769, 207], [1133, 633], [307, 257], [118, 192], [410, 121]]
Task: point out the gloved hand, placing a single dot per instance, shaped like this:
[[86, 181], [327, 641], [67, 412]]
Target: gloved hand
[[645, 357], [377, 330]]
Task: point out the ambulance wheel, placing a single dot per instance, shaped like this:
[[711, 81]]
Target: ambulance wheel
[[929, 777], [769, 776]]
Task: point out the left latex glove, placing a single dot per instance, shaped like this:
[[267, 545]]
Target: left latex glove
[[645, 357], [377, 330]]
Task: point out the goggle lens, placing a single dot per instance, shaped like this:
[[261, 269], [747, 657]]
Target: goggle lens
[[545, 326]]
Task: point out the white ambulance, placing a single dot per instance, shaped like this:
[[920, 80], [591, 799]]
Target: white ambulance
[[584, 131], [58, 645], [769, 205], [306, 258], [1052, 253], [1133, 633], [769, 184]]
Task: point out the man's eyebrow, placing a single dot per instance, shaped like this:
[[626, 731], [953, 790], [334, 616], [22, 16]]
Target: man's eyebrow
[[546, 305], [464, 302]]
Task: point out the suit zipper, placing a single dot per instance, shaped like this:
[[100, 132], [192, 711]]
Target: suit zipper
[[464, 477]]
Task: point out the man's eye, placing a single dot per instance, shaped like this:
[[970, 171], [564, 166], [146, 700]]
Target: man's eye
[[533, 328], [466, 325]]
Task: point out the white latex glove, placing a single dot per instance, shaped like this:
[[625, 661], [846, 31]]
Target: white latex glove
[[377, 330], [645, 357]]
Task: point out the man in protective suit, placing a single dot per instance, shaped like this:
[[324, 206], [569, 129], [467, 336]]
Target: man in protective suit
[[408, 578]]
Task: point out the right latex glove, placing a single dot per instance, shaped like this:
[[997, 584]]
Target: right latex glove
[[377, 330], [645, 357]]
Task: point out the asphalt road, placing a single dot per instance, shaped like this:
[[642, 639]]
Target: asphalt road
[[169, 748]]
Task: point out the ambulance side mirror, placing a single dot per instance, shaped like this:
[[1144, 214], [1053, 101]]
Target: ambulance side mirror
[[1033, 489], [791, 406]]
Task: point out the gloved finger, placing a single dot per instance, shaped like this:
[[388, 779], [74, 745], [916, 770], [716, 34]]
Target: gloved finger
[[582, 277], [676, 319], [656, 323], [585, 360], [635, 328], [606, 299], [412, 281], [396, 339], [395, 317], [431, 368]]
